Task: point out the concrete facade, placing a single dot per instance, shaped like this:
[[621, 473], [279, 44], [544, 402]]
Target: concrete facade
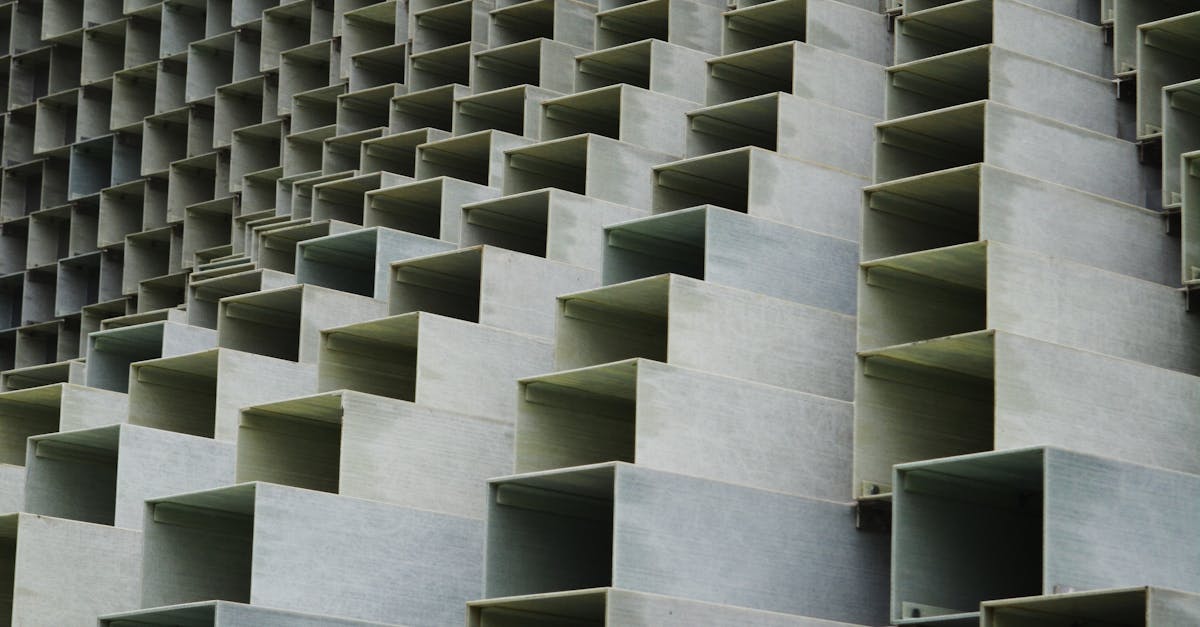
[[782, 313]]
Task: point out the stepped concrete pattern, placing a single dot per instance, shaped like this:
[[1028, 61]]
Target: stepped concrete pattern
[[651, 313]]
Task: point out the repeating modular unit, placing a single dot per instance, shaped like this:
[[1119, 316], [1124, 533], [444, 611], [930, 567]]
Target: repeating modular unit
[[374, 447], [695, 324], [492, 286], [992, 389], [410, 357], [990, 285], [276, 546], [201, 393], [103, 475], [618, 525], [286, 323], [1028, 522], [676, 419], [552, 223]]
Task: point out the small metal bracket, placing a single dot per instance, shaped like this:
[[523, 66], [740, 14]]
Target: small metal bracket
[[1172, 222], [873, 515], [1126, 86], [1150, 151]]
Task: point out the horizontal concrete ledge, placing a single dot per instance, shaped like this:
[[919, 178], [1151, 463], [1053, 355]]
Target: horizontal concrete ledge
[[224, 614], [110, 351], [571, 22], [596, 607], [793, 126], [594, 165], [431, 207], [622, 112], [1135, 606]]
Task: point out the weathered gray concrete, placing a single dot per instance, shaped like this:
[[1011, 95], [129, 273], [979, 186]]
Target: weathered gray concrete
[[204, 292], [855, 28], [431, 207], [44, 556], [56, 407]]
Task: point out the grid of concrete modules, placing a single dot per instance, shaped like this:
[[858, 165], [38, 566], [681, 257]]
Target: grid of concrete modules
[[531, 313]]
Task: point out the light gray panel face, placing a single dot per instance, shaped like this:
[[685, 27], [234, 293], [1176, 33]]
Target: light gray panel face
[[732, 556]]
